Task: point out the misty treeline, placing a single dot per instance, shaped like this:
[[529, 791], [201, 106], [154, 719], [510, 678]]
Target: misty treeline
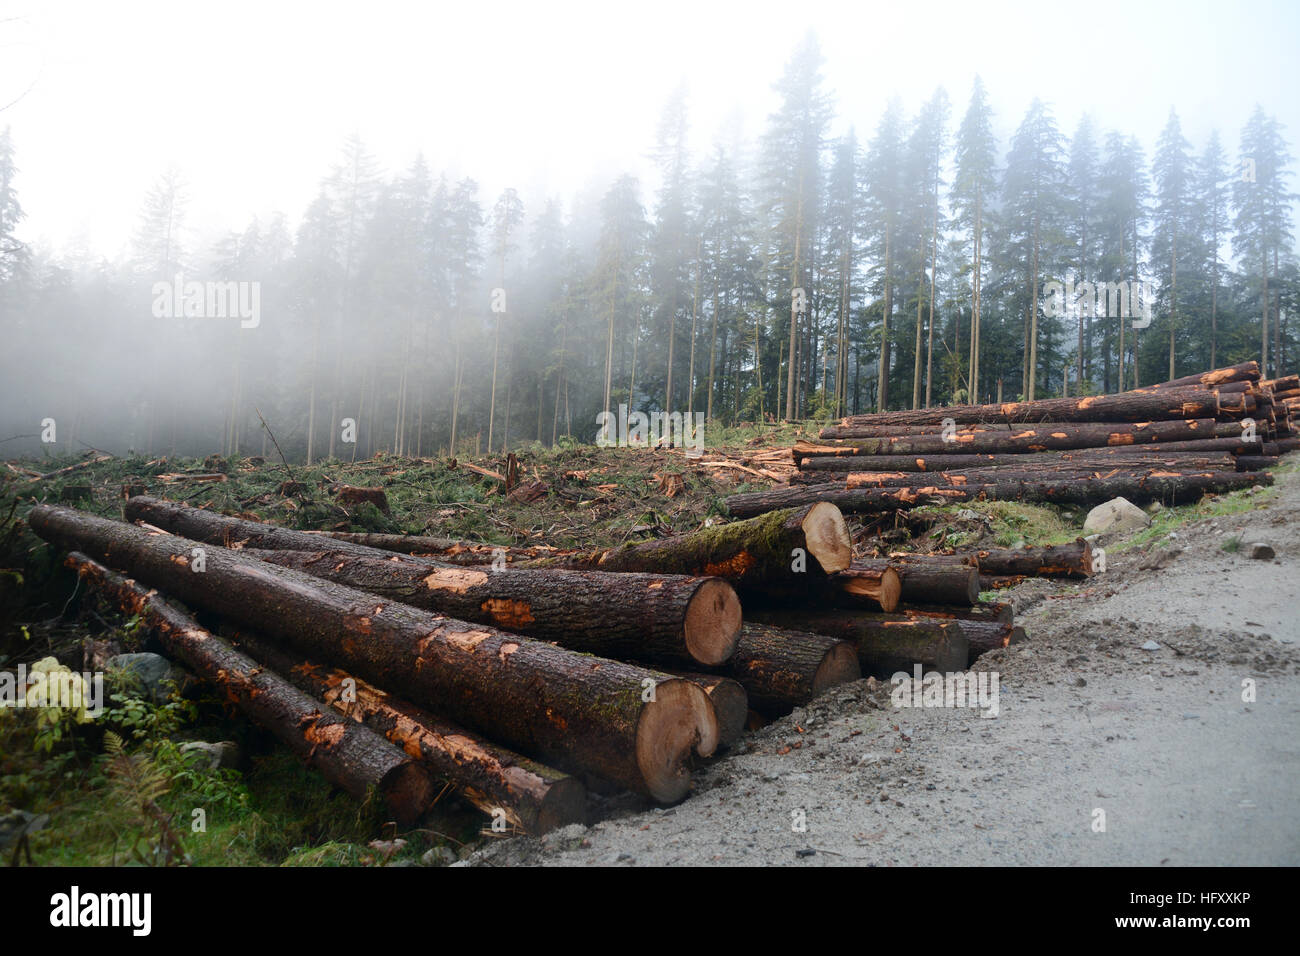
[[795, 276]]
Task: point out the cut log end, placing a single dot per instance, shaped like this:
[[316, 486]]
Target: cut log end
[[712, 623], [839, 667], [679, 720], [408, 791], [828, 537], [565, 803]]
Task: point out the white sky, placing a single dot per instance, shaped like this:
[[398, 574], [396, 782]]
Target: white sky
[[252, 100]]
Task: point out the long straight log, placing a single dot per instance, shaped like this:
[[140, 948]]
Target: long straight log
[[1242, 372], [1051, 436], [755, 556], [658, 618], [531, 796], [1131, 466], [1172, 403], [1073, 560], [781, 669], [1000, 612], [1074, 491], [632, 726], [442, 550], [884, 647], [347, 754], [236, 533]]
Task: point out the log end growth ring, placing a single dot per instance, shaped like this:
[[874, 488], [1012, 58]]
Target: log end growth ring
[[680, 719], [712, 623], [828, 538]]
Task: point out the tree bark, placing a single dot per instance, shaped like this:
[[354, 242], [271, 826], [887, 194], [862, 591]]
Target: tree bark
[[753, 555], [884, 647], [783, 669], [1170, 403], [532, 797], [348, 755], [627, 724], [1027, 438], [1074, 491], [925, 581], [668, 619]]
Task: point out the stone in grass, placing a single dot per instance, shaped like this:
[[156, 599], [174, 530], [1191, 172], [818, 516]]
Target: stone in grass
[[147, 674], [1260, 551], [223, 753], [1115, 516]]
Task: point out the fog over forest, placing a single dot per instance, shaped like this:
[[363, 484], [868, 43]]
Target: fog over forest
[[821, 233]]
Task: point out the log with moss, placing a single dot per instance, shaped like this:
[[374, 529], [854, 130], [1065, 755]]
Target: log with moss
[[659, 618], [350, 756], [580, 713], [775, 550], [530, 796]]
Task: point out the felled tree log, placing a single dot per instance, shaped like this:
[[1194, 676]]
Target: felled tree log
[[844, 460], [236, 533], [1165, 404], [346, 754], [1242, 372], [1072, 560], [1132, 466], [782, 669], [754, 555], [1074, 491], [884, 646], [983, 611], [924, 581], [630, 725], [1256, 462], [1053, 436], [443, 550], [661, 618], [730, 702], [877, 584], [531, 796], [985, 636]]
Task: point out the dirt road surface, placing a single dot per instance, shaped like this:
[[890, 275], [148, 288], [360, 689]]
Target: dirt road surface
[[1103, 750]]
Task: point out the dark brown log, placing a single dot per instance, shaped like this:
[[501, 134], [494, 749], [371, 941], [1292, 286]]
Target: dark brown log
[[924, 581], [577, 712], [927, 463], [443, 550], [755, 556], [1084, 460], [212, 528], [730, 702], [660, 618], [1256, 462], [985, 636], [348, 755], [1165, 404], [1132, 466], [530, 796], [1242, 372], [880, 585], [1285, 383], [1072, 560], [884, 646], [1074, 491], [783, 669], [1036, 437], [983, 611], [999, 582]]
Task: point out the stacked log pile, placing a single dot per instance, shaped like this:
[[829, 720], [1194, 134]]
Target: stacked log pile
[[1212, 432], [525, 677]]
